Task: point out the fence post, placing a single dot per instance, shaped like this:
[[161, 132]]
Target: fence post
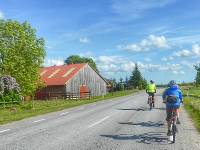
[[188, 93], [90, 95]]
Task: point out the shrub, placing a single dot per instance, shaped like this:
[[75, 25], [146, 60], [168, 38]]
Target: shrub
[[9, 90]]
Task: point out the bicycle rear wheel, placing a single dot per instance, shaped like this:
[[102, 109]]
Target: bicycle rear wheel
[[150, 103], [174, 132]]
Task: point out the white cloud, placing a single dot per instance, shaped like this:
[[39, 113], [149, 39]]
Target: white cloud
[[2, 16], [84, 40], [109, 59], [151, 42], [51, 62], [158, 41], [171, 58], [87, 54], [183, 53], [173, 68], [147, 59], [164, 59], [182, 72], [188, 64], [116, 64], [195, 51]]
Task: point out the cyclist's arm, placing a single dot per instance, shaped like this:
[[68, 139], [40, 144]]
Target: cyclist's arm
[[180, 96], [155, 88], [164, 96]]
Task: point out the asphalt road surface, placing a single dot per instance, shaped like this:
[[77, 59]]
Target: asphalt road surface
[[124, 123]]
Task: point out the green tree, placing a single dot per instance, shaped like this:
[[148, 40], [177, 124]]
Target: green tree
[[21, 54], [119, 87], [143, 84], [75, 59], [136, 77], [197, 78]]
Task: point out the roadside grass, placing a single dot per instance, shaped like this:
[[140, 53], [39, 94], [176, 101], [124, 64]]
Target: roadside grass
[[34, 108], [192, 103], [192, 106]]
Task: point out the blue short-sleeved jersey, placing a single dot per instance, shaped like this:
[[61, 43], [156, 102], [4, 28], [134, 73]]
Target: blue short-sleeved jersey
[[173, 91]]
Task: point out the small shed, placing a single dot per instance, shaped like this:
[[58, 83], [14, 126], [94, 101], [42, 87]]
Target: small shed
[[74, 79]]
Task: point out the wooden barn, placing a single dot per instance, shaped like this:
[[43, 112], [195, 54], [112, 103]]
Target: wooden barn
[[75, 80]]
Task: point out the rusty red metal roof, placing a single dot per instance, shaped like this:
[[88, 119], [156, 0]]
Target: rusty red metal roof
[[59, 75]]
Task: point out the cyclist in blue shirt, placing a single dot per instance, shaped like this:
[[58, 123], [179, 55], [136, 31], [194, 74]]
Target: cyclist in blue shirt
[[172, 96]]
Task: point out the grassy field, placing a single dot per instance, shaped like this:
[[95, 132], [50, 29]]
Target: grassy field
[[192, 104], [192, 91], [34, 108]]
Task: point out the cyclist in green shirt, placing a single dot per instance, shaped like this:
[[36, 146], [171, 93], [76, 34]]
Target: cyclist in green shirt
[[151, 90]]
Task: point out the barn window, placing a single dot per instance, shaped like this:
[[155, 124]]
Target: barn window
[[54, 73], [43, 72], [69, 71]]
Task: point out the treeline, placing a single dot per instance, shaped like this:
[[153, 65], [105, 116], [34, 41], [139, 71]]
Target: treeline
[[135, 81]]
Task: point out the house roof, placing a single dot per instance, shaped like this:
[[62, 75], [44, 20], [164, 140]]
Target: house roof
[[59, 75]]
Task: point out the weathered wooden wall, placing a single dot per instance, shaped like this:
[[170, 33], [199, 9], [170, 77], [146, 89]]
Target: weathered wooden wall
[[44, 93], [90, 78], [54, 88]]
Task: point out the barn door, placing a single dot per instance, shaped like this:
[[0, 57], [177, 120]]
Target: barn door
[[84, 91]]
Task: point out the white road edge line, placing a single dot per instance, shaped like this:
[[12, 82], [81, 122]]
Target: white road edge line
[[98, 122], [39, 120], [4, 130], [62, 114]]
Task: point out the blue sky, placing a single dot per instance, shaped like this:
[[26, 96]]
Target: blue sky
[[162, 36]]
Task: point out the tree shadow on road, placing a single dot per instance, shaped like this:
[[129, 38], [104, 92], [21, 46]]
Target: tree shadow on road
[[136, 109], [142, 108], [146, 138], [160, 108], [144, 124]]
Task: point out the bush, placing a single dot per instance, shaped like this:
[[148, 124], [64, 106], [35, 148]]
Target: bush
[[10, 97], [9, 90]]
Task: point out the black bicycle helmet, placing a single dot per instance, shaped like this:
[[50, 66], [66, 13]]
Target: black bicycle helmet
[[172, 83], [151, 81]]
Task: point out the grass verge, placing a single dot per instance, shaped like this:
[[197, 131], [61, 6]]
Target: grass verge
[[29, 109], [192, 106]]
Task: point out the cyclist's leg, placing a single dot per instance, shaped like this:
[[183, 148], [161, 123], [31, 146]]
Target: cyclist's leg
[[177, 113], [148, 98], [168, 119], [153, 99]]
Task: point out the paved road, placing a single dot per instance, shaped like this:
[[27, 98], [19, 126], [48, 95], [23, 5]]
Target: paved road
[[121, 124]]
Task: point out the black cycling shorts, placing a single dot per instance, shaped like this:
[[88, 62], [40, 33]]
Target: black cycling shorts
[[151, 94]]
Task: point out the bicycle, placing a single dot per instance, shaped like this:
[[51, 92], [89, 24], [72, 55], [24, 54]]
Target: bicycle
[[173, 127]]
